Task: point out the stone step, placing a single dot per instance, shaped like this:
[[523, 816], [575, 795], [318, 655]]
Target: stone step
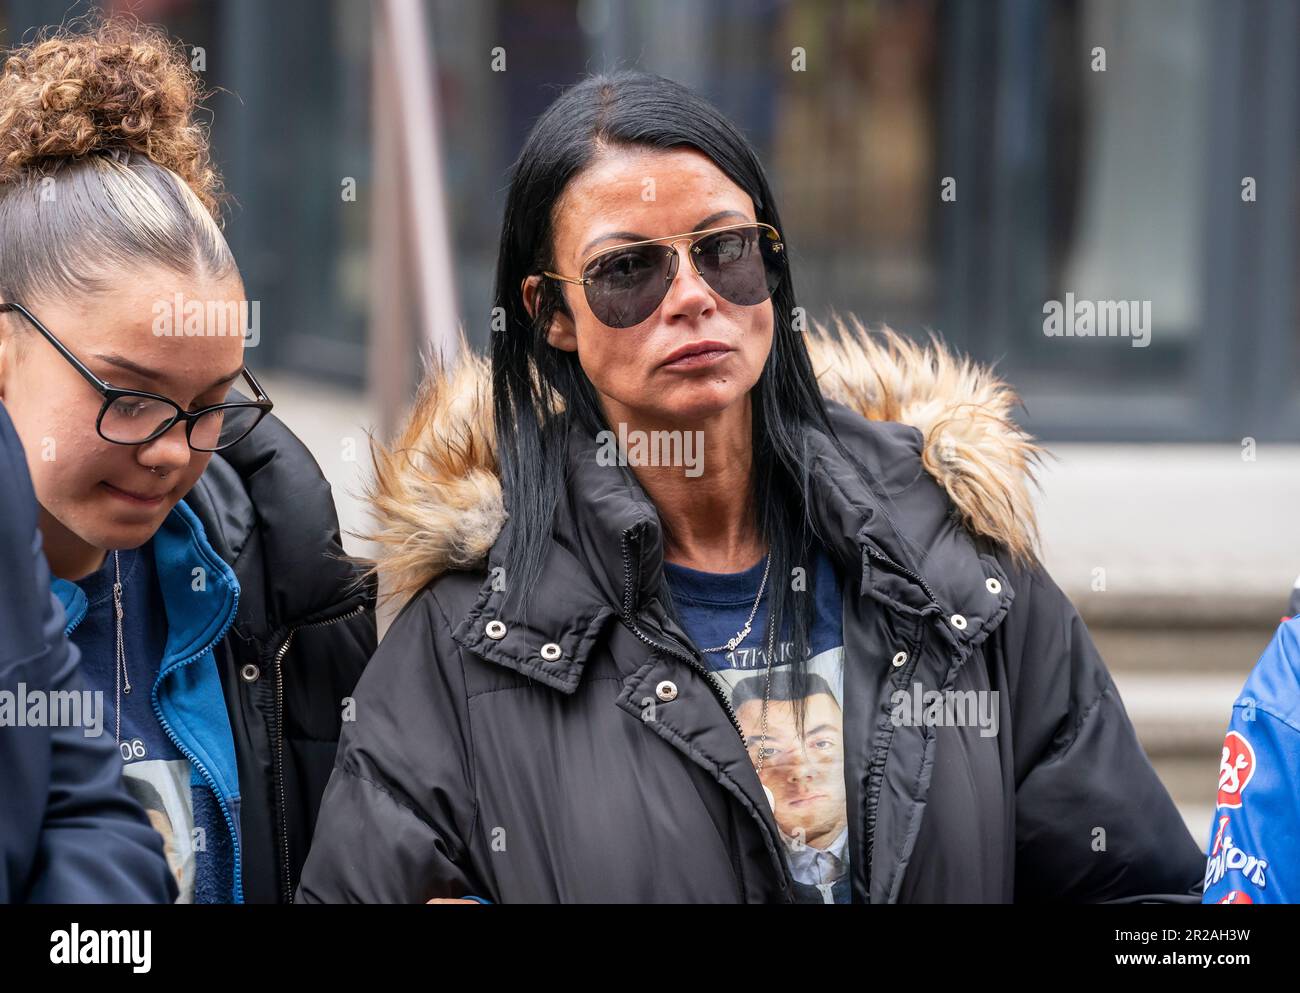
[[1182, 715], [1191, 781], [1172, 652]]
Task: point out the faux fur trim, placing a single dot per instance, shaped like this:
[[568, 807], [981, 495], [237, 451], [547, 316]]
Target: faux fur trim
[[436, 497]]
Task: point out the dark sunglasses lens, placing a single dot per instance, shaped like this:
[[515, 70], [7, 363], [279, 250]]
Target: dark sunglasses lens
[[743, 265], [133, 420], [223, 427], [627, 285]]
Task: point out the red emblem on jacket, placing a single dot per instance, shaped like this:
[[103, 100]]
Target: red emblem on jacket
[[1236, 767]]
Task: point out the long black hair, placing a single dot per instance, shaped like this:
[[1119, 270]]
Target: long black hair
[[637, 109]]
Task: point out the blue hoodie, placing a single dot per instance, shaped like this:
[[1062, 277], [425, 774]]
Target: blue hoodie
[[1255, 834], [200, 597], [69, 830]]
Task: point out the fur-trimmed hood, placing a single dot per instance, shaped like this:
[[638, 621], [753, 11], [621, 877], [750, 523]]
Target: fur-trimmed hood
[[436, 496]]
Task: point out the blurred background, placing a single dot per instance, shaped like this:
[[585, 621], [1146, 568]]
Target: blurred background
[[1110, 149]]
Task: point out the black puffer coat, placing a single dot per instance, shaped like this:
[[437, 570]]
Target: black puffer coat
[[303, 634], [480, 763]]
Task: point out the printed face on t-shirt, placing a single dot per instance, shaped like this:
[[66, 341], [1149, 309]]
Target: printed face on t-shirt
[[805, 775]]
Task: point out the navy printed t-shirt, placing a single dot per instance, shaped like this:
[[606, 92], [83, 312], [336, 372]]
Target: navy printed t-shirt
[[802, 777], [156, 773]]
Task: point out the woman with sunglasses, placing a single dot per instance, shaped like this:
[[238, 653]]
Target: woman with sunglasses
[[626, 673], [193, 537]]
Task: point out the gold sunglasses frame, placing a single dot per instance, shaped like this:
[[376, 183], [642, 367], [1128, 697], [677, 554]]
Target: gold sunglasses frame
[[691, 237]]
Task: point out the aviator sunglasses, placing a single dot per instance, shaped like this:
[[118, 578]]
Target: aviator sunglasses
[[625, 284]]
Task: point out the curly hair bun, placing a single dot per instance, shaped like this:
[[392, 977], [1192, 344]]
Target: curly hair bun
[[122, 86]]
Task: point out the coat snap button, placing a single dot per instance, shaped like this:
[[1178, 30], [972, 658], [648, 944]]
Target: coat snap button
[[958, 622], [900, 660], [551, 651], [667, 690], [250, 673], [495, 630], [993, 585]]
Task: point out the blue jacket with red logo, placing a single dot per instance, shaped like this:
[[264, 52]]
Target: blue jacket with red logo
[[1255, 837]]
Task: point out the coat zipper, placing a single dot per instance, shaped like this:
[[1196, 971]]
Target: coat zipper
[[887, 561], [708, 675], [208, 778], [279, 740], [907, 673]]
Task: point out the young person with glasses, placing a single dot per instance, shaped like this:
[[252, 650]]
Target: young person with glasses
[[617, 678], [193, 538]]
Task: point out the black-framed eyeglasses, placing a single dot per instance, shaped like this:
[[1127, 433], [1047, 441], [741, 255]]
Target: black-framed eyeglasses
[[133, 417]]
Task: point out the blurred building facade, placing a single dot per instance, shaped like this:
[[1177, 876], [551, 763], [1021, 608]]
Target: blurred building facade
[[1115, 183]]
